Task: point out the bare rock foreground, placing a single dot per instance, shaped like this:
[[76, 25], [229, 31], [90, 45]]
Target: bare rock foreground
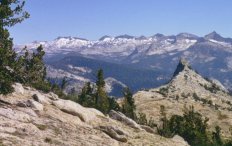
[[31, 118]]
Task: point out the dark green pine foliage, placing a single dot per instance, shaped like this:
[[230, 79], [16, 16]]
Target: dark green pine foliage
[[86, 97], [34, 70], [165, 129], [128, 107], [64, 83], [192, 127], [113, 105], [96, 97], [37, 69], [22, 67], [216, 136], [11, 13], [101, 97]]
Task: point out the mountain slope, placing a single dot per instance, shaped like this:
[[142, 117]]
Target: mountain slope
[[80, 70], [188, 88]]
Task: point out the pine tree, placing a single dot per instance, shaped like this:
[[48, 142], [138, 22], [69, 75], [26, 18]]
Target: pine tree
[[33, 67], [164, 130], [113, 105], [86, 97], [128, 107], [101, 97], [38, 69], [64, 83], [11, 13], [34, 71]]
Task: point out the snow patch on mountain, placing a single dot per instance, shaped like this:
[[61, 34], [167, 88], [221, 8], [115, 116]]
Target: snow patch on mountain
[[170, 45], [221, 43], [79, 69]]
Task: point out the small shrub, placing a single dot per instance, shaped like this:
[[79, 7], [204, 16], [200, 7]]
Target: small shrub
[[41, 127], [216, 107], [210, 102], [177, 97], [6, 87], [213, 89], [43, 86], [142, 120], [163, 91], [48, 140], [196, 97], [228, 102]]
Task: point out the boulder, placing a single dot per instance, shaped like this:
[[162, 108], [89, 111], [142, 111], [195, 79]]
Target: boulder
[[18, 88], [70, 107], [22, 104], [52, 96], [114, 133], [122, 118], [35, 105], [41, 98], [180, 140]]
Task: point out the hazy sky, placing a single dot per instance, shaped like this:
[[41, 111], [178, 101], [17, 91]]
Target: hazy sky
[[92, 19]]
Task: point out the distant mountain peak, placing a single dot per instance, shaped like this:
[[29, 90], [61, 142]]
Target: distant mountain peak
[[125, 36], [214, 35], [105, 37], [187, 35], [158, 35], [70, 38], [214, 32], [142, 37]]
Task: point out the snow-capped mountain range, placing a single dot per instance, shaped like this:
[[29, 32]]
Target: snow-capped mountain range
[[156, 56], [116, 47]]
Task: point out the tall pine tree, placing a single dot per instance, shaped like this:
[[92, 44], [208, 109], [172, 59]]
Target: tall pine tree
[[128, 107], [11, 13], [101, 97], [37, 66]]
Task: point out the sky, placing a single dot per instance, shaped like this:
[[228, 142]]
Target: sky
[[92, 19]]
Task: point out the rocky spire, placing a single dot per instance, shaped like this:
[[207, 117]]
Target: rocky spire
[[183, 63]]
